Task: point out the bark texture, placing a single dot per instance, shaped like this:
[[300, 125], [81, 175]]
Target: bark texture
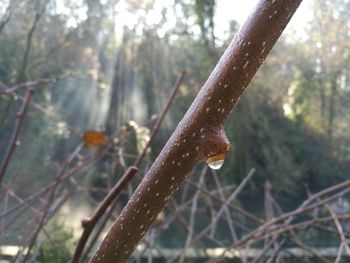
[[200, 133]]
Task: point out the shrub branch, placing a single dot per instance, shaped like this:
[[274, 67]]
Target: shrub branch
[[203, 121]]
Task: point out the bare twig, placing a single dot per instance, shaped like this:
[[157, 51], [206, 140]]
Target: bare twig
[[230, 205], [343, 239], [18, 127], [89, 223], [301, 209], [51, 198], [263, 252], [339, 254], [84, 165], [31, 84], [226, 210], [98, 231], [308, 249], [192, 217], [264, 231], [161, 117], [219, 213], [22, 70], [274, 257]]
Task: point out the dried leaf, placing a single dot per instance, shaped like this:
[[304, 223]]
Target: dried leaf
[[94, 139]]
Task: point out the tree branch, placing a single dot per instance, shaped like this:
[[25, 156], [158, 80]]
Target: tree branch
[[89, 223], [193, 138], [23, 68], [14, 88], [18, 126]]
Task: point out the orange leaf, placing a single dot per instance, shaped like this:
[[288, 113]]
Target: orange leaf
[[94, 139]]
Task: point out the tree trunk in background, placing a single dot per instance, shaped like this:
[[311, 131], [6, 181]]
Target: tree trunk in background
[[113, 112], [332, 106], [200, 133]]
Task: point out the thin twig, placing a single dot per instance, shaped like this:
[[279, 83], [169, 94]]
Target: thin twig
[[226, 210], [264, 250], [340, 229], [161, 118], [340, 252], [301, 209], [31, 84], [230, 205], [18, 127], [192, 217], [218, 214], [89, 223], [308, 249], [51, 199], [264, 231], [274, 257], [98, 231], [86, 164]]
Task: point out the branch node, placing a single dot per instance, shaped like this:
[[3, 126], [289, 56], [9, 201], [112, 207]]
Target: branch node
[[85, 222], [214, 144]]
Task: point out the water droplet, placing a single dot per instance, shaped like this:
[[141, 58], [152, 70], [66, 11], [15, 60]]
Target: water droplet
[[215, 162]]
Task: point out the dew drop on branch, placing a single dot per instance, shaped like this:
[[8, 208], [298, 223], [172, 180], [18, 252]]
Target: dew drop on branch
[[215, 162]]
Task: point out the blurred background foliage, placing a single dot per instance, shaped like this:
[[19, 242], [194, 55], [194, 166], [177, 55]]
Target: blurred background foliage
[[123, 56]]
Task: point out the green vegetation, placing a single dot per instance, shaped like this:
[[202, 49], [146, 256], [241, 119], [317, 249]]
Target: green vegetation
[[58, 247]]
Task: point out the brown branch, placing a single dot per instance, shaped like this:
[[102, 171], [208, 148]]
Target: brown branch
[[192, 218], [308, 249], [222, 209], [55, 49], [339, 227], [18, 127], [264, 251], [48, 211], [304, 207], [43, 110], [274, 257], [85, 164], [200, 133], [89, 223], [161, 117], [340, 252], [278, 230], [269, 228], [226, 209], [14, 88], [24, 65], [37, 213], [233, 207], [51, 199], [107, 215]]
